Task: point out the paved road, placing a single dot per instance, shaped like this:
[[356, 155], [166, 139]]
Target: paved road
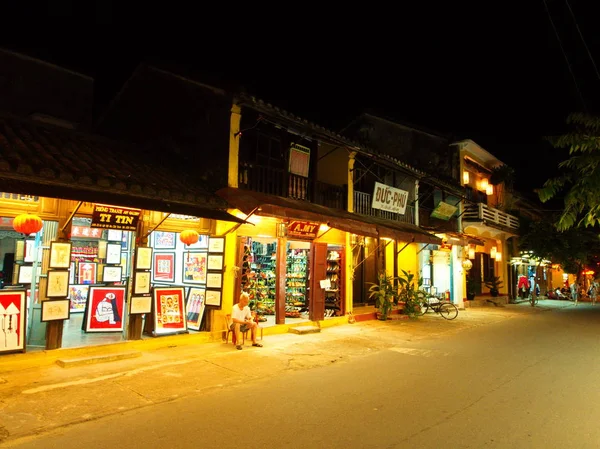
[[496, 378]]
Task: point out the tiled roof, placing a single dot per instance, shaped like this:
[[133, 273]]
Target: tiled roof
[[267, 108], [50, 161]]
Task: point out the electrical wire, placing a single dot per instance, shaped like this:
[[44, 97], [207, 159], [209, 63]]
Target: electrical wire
[[565, 56], [583, 40]]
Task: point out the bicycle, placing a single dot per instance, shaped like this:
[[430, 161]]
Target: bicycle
[[445, 308]]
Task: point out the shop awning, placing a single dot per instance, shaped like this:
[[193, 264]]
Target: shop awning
[[48, 161], [276, 206]]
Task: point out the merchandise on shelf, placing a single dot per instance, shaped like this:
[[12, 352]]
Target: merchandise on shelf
[[296, 291], [333, 297]]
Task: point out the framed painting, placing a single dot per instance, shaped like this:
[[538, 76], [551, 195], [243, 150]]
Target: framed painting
[[216, 244], [113, 253], [112, 274], [194, 267], [114, 235], [12, 320], [19, 250], [72, 273], [202, 243], [55, 309], [125, 263], [104, 309], [164, 240], [25, 274], [215, 262], [143, 258], [29, 250], [87, 272], [125, 240], [140, 304], [213, 298], [194, 307], [37, 296], [58, 284], [214, 280], [141, 282], [163, 267], [78, 295], [60, 255], [169, 310]]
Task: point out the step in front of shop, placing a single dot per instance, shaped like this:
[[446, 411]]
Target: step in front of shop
[[90, 360], [487, 301], [306, 329]]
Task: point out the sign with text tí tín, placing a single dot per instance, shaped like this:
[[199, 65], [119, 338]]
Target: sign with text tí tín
[[115, 217], [389, 198], [303, 229]]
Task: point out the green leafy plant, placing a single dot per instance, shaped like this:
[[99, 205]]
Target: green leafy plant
[[410, 293], [384, 294], [494, 284], [473, 286]]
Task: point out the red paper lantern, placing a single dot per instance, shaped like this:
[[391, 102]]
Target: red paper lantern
[[27, 224], [189, 237]]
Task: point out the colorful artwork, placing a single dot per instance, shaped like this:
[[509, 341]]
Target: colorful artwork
[[78, 295], [169, 310], [12, 320], [163, 267], [87, 272], [194, 267], [104, 310], [195, 306], [164, 240]]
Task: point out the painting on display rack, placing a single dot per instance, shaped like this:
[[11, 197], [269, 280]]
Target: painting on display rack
[[169, 310], [104, 310], [12, 321], [195, 307]]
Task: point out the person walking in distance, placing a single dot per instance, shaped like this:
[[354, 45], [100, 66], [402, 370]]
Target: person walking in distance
[[575, 291]]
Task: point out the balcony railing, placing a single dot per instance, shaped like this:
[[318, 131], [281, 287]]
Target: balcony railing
[[362, 205], [279, 182], [490, 216]]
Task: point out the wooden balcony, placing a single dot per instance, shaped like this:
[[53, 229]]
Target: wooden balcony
[[279, 182], [362, 206], [490, 216]]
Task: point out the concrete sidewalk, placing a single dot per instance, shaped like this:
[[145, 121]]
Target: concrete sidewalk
[[42, 397]]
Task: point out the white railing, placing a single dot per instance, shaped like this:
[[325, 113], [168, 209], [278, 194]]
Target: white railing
[[362, 206], [491, 216]]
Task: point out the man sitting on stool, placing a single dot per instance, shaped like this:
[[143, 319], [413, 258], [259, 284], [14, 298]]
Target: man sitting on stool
[[242, 321]]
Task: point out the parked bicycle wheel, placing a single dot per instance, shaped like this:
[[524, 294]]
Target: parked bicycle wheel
[[533, 300], [448, 311]]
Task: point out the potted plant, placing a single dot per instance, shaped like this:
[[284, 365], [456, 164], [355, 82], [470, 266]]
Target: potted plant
[[494, 284], [410, 293], [383, 293], [473, 287]]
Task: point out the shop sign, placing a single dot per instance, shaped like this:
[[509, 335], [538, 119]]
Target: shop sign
[[389, 198], [304, 229], [444, 211], [6, 222], [85, 232], [114, 217]]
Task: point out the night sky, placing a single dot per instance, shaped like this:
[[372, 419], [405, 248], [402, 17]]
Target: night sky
[[490, 71]]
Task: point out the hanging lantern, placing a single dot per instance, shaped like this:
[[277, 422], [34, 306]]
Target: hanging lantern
[[27, 224], [467, 264], [189, 236]]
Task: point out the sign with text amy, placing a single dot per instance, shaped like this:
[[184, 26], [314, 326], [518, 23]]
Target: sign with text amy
[[115, 217], [389, 198], [304, 229]]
